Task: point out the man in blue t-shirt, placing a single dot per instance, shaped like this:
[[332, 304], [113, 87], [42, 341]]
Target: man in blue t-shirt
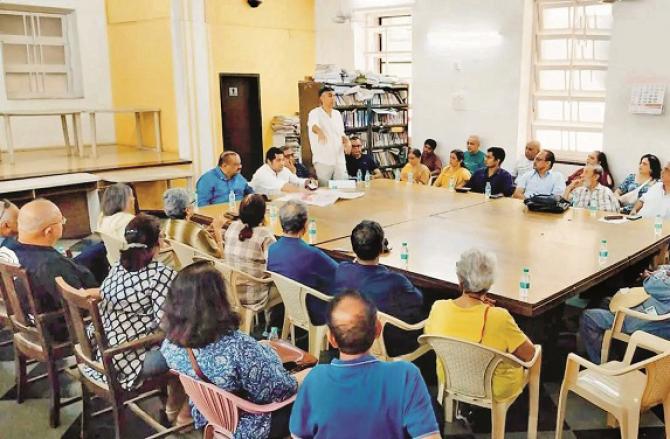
[[214, 186], [501, 181], [294, 258], [391, 292], [357, 161], [358, 396]]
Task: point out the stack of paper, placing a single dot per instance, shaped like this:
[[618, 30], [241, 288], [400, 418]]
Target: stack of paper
[[321, 197], [286, 124]]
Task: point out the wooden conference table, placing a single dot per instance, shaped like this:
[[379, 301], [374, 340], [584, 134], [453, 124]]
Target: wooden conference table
[[560, 250]]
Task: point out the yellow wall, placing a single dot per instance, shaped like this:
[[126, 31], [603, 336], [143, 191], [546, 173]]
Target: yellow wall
[[275, 40], [140, 52]]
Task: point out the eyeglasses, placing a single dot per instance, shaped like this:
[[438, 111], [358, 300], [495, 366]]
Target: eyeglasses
[[62, 221], [539, 159]]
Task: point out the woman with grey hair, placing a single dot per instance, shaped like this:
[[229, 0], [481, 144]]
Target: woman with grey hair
[[177, 203], [118, 208], [473, 317]]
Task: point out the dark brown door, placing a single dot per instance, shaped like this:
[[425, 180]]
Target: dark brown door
[[241, 119]]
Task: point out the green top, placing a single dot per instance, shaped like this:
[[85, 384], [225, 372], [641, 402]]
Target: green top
[[473, 161]]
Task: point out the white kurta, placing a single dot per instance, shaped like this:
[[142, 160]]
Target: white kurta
[[330, 152]]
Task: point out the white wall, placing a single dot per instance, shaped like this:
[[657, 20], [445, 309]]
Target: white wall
[[96, 84], [637, 54]]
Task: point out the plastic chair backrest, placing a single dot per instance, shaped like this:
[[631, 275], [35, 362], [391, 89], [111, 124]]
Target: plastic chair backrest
[[230, 276], [213, 403], [185, 253], [379, 346], [113, 246], [294, 295], [468, 366]]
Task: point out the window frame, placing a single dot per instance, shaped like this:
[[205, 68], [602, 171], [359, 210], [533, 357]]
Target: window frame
[[374, 59]]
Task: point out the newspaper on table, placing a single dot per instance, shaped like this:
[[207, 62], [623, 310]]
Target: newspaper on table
[[321, 197]]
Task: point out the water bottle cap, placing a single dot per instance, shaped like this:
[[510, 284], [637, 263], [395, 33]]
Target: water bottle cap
[[274, 330], [604, 241], [526, 270], [404, 243]]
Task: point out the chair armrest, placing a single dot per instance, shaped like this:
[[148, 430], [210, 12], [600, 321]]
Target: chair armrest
[[257, 409], [583, 362], [643, 316], [530, 363], [404, 325], [143, 342]]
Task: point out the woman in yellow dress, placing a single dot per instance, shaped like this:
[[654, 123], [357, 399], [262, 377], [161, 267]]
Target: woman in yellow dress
[[420, 173], [455, 170]]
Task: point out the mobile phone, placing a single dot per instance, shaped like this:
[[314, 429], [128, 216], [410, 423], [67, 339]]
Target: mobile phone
[[613, 217], [494, 196], [633, 217]]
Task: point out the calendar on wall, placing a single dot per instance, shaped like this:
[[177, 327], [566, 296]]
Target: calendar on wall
[[647, 98]]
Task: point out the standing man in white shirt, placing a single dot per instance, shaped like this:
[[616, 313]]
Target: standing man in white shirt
[[525, 163], [327, 138], [273, 177], [656, 201]]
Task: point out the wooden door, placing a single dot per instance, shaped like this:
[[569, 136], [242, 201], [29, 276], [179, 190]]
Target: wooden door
[[241, 119]]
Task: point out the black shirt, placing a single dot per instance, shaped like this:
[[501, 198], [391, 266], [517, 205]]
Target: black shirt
[[365, 163], [501, 182], [44, 265]]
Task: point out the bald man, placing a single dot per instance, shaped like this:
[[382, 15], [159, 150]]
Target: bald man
[[357, 395], [525, 163], [473, 158], [40, 226]]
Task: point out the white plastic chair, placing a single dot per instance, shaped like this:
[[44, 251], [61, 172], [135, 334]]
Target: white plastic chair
[[616, 331], [294, 295], [622, 389], [232, 276], [379, 347], [186, 254], [469, 368], [113, 245]]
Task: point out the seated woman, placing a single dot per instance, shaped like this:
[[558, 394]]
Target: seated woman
[[177, 205], [420, 172], [595, 158], [635, 185], [455, 170], [472, 317], [198, 320], [246, 248], [132, 297], [118, 208]]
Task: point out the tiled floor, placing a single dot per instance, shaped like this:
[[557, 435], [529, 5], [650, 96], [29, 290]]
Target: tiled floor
[[29, 420]]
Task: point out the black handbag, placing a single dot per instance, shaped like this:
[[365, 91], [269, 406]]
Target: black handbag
[[546, 203]]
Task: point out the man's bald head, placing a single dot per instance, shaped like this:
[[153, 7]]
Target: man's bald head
[[532, 148], [40, 223], [9, 214], [473, 143], [352, 321]]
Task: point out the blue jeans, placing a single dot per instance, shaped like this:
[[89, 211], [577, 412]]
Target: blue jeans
[[595, 322]]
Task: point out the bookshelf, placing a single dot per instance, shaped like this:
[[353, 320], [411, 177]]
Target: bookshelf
[[381, 122]]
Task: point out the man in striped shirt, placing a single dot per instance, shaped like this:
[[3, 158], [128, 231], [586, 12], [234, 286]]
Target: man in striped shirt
[[586, 190]]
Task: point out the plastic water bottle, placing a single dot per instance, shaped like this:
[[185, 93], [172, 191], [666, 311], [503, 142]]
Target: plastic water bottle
[[452, 184], [274, 334], [367, 180], [404, 255], [359, 176], [273, 214], [195, 198], [231, 201], [593, 207], [311, 231], [658, 225], [603, 253], [524, 283], [574, 207], [487, 190], [397, 175], [60, 249], [410, 177]]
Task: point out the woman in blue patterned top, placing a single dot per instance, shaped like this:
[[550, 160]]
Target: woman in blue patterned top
[[197, 315], [635, 185]]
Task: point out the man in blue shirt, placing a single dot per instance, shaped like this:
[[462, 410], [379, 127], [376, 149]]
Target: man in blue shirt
[[473, 158], [358, 396], [294, 258], [391, 292], [500, 180], [214, 186], [542, 180], [357, 161]]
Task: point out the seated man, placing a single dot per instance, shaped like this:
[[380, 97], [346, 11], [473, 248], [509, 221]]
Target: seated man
[[656, 301], [357, 395], [9, 214], [500, 180], [542, 180], [391, 292], [357, 161], [586, 189], [40, 227], [525, 163], [273, 178], [430, 159], [473, 158], [297, 260], [292, 163], [177, 207], [656, 201], [214, 186]]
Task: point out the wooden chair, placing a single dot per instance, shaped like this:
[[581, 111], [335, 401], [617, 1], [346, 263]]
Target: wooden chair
[[622, 389], [232, 276], [616, 331], [5, 321], [113, 245], [379, 346], [33, 338], [81, 306], [468, 370], [221, 408], [294, 295]]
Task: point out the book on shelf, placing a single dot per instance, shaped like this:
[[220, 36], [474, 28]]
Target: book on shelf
[[389, 98], [355, 118], [382, 117], [389, 157], [380, 139]]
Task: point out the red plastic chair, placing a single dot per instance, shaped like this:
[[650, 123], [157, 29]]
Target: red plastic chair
[[221, 408]]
